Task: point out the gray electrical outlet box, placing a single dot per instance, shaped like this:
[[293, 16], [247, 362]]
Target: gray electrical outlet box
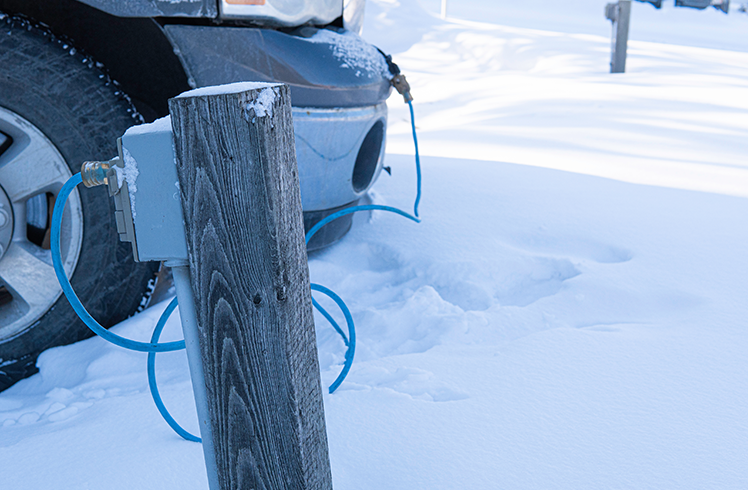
[[152, 189]]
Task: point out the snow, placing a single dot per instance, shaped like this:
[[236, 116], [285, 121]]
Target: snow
[[570, 313], [157, 126], [120, 172], [229, 88], [262, 106], [131, 177], [353, 52]]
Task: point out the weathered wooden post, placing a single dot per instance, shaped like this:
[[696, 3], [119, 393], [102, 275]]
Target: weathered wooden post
[[239, 186], [619, 14]]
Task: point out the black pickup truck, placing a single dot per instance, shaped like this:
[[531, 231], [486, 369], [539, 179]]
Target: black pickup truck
[[75, 74]]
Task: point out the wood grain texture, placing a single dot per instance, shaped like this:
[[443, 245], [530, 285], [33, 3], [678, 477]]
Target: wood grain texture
[[240, 196]]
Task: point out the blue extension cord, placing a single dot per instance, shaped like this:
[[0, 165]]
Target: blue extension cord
[[154, 346], [78, 307], [152, 377]]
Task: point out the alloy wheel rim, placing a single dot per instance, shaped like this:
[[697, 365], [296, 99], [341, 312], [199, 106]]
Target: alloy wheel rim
[[32, 170]]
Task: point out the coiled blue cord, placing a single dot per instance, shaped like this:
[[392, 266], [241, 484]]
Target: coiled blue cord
[[152, 377], [350, 341], [151, 348], [67, 289], [154, 346], [330, 319]]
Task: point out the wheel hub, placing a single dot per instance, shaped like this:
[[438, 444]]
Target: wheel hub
[[6, 222]]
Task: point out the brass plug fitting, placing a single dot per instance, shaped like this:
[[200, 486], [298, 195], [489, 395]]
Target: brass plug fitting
[[94, 173], [402, 86]]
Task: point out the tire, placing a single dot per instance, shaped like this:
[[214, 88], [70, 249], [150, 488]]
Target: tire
[[65, 96]]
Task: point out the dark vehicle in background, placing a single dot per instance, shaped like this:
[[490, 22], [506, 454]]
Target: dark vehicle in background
[[75, 74]]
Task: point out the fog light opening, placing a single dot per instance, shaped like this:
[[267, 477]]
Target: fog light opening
[[368, 157]]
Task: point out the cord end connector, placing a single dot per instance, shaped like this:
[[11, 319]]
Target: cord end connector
[[95, 173], [402, 87]]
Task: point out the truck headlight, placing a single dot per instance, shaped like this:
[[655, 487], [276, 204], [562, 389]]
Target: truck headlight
[[287, 13], [353, 15]]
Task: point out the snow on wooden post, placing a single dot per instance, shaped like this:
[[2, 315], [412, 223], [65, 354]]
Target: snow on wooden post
[[239, 186], [620, 15]]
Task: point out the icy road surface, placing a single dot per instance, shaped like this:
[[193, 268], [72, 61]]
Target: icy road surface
[[571, 313]]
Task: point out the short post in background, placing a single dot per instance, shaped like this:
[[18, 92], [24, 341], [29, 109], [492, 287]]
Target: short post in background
[[238, 181], [619, 14]]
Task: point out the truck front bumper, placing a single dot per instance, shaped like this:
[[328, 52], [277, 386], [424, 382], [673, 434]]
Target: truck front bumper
[[339, 84]]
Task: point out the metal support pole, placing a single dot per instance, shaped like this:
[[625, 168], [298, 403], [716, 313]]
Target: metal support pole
[[181, 273], [620, 15], [444, 9]]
